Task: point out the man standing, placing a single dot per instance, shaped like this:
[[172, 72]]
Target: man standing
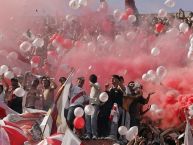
[[115, 97], [91, 121], [33, 95], [48, 93], [77, 98]]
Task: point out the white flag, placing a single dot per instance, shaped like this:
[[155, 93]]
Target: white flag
[[70, 138], [188, 139]]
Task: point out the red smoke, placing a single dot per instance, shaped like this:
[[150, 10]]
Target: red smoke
[[128, 54]]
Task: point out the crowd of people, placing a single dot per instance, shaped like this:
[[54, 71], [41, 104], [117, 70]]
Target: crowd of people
[[124, 107]]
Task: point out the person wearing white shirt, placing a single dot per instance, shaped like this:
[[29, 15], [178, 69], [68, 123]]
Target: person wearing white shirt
[[77, 98], [91, 120]]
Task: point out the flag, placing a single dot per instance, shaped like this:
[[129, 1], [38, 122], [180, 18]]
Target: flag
[[70, 138], [11, 134], [5, 110], [55, 139], [188, 139], [55, 116]]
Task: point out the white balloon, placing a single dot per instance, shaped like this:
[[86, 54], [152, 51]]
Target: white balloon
[[153, 108], [122, 130], [190, 112], [170, 3], [74, 4], [100, 38], [9, 75], [190, 107], [191, 36], [162, 13], [116, 13], [38, 42], [173, 31], [151, 73], [78, 112], [183, 27], [91, 46], [89, 110], [145, 77], [103, 97], [25, 46], [191, 41], [158, 111], [132, 133], [83, 2], [90, 67], [130, 35], [19, 92], [155, 51], [12, 56], [4, 69], [161, 72], [69, 18], [132, 18], [190, 55], [34, 65], [55, 43], [173, 93], [119, 38]]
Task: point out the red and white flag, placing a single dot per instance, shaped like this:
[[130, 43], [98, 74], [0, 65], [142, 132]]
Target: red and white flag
[[188, 139], [55, 116], [5, 110], [70, 138], [55, 139], [11, 134]]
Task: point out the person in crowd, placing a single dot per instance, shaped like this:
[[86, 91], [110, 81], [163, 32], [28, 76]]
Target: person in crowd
[[26, 80], [33, 95], [62, 80], [121, 84], [48, 92], [115, 96], [91, 121], [136, 107], [77, 98], [14, 102]]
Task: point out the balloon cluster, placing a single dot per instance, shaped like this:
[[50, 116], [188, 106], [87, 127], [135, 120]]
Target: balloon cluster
[[153, 76], [129, 134], [4, 70], [88, 110], [76, 4]]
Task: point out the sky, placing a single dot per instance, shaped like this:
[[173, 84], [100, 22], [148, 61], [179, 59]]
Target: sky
[[152, 6], [144, 6]]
